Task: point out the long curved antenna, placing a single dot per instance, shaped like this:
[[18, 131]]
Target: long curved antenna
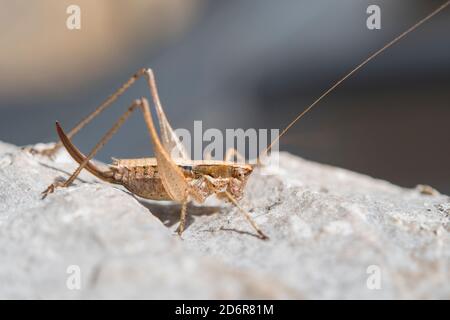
[[389, 44]]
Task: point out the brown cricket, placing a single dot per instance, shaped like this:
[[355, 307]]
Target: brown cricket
[[178, 178]]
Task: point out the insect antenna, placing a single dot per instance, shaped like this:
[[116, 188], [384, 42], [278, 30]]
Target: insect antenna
[[354, 70]]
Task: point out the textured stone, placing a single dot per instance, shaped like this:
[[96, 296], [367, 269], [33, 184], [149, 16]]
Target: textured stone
[[326, 226]]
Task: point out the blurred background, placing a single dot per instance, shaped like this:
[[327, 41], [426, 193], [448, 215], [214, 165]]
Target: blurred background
[[238, 64]]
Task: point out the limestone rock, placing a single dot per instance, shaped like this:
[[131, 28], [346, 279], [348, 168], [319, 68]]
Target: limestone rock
[[333, 234]]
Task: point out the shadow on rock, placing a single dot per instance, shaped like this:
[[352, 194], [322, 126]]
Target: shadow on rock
[[169, 213]]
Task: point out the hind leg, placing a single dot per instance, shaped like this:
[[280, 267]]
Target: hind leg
[[97, 147], [50, 152], [233, 154], [183, 214]]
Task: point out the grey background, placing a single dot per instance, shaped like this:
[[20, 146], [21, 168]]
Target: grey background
[[256, 64]]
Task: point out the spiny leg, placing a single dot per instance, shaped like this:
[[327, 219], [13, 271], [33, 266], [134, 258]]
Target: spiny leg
[[247, 216], [97, 147], [105, 104], [244, 212], [172, 178], [183, 214]]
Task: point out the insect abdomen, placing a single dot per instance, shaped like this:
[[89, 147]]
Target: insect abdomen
[[143, 181]]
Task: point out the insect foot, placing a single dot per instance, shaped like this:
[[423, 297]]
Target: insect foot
[[179, 233], [51, 188], [262, 235]]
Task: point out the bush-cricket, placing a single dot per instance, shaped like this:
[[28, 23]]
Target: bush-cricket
[[178, 179]]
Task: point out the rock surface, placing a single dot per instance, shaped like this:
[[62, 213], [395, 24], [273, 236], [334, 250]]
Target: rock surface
[[333, 234]]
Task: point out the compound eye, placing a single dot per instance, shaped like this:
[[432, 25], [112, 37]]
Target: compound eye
[[239, 173]]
